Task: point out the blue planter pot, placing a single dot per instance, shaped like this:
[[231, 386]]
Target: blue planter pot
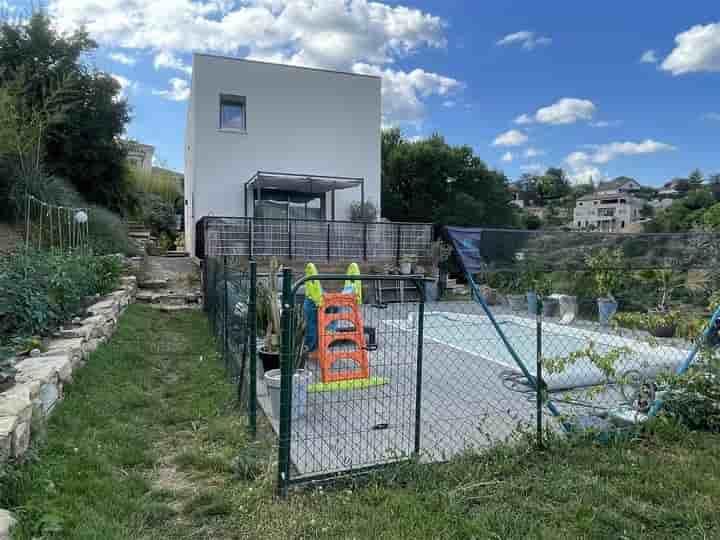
[[532, 300], [606, 310]]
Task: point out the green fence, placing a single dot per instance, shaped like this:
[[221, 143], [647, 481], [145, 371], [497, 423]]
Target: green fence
[[557, 334], [231, 304]]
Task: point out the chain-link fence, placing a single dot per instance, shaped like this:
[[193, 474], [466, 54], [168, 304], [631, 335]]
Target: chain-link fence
[[561, 333], [230, 289]]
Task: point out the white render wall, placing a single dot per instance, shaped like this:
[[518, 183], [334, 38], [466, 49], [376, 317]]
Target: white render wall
[[298, 120]]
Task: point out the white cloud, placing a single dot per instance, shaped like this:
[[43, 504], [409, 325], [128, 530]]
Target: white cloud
[[583, 164], [696, 49], [403, 92], [563, 111], [533, 152], [523, 119], [711, 116], [168, 60], [334, 34], [649, 57], [511, 138], [527, 39], [607, 152], [507, 157], [122, 58], [126, 85], [178, 91], [449, 103]]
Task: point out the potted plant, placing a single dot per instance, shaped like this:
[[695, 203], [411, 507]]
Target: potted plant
[[440, 254], [513, 289], [661, 321], [406, 264], [487, 279], [605, 266], [268, 315], [530, 278]]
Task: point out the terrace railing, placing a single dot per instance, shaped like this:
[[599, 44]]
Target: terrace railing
[[311, 239]]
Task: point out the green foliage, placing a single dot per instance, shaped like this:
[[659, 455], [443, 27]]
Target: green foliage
[[685, 213], [429, 180], [694, 397], [363, 212], [41, 290], [80, 114], [108, 233], [650, 321], [159, 215], [160, 182], [606, 362], [605, 266]]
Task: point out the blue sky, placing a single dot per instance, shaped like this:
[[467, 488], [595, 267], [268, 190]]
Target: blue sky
[[468, 70]]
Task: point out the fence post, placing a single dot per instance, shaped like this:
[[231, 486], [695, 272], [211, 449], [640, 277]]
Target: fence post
[[225, 314], [290, 239], [328, 240], [538, 372], [365, 238], [398, 236], [418, 380], [252, 237], [252, 330], [286, 375]]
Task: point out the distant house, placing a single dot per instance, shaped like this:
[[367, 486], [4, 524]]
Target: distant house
[[610, 208], [140, 156], [673, 188]]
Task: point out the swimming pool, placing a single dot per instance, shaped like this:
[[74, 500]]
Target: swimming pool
[[475, 334]]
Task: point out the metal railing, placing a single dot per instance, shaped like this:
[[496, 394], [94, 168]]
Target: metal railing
[[311, 239]]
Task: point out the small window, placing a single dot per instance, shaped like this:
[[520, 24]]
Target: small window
[[232, 112]]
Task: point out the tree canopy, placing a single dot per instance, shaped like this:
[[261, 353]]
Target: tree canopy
[[79, 111], [430, 180]]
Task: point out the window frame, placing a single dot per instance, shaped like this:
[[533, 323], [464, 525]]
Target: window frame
[[232, 99]]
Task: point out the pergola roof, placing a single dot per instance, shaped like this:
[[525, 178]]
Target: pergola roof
[[303, 183]]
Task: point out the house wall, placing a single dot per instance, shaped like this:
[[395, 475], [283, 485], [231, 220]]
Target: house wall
[[298, 121], [588, 213]]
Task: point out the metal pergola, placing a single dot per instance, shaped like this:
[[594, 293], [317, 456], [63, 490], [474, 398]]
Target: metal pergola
[[310, 184]]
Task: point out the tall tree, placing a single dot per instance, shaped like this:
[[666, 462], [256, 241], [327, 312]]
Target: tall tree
[[695, 179], [83, 111], [432, 180]]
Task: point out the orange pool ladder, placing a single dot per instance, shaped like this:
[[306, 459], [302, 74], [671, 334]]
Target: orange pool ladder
[[348, 312]]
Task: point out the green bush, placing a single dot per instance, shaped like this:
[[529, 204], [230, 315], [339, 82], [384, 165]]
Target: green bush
[[159, 215], [108, 233], [41, 290], [694, 398]]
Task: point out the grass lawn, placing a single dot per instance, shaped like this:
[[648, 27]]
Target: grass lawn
[[149, 444]]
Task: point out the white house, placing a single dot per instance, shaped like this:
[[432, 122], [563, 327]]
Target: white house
[[611, 208], [140, 156], [280, 141]]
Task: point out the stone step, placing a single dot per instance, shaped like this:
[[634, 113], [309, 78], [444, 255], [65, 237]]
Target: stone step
[[168, 298], [153, 284], [172, 308], [139, 234], [176, 254]]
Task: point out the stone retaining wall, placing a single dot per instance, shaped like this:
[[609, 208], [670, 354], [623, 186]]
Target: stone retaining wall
[[40, 379]]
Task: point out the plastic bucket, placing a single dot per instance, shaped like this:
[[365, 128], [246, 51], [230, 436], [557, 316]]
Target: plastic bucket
[[301, 381], [272, 382]]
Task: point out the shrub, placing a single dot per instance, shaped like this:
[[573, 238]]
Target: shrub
[[159, 216], [694, 397], [108, 233], [40, 290], [363, 211]]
